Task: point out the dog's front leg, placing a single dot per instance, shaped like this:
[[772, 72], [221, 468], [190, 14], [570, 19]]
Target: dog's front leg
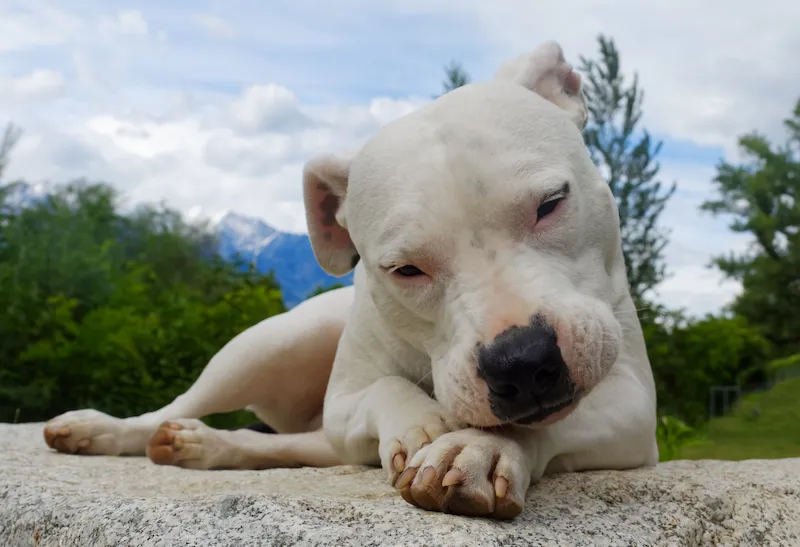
[[375, 416], [385, 422], [488, 472], [613, 428]]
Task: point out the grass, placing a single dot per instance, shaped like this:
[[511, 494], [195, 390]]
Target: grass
[[761, 426]]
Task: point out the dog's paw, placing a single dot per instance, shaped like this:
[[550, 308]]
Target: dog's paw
[[190, 444], [396, 450], [468, 472], [89, 432]]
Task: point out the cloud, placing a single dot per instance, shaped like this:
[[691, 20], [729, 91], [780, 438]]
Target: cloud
[[39, 84], [29, 24], [130, 22], [707, 83], [205, 161], [214, 25], [214, 107], [268, 108]]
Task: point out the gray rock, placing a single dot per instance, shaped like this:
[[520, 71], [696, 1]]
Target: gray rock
[[49, 499]]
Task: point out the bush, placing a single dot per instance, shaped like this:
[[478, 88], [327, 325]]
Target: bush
[[672, 434], [691, 356], [110, 311]]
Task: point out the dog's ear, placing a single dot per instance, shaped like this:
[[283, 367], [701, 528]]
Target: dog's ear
[[324, 189], [545, 72]]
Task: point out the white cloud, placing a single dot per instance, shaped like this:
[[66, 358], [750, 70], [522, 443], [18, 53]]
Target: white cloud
[[130, 22], [39, 84], [220, 113], [268, 108], [206, 161], [695, 238], [26, 24], [712, 70], [214, 25]]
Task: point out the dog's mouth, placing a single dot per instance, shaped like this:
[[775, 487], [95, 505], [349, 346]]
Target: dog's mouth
[[551, 413], [545, 413]]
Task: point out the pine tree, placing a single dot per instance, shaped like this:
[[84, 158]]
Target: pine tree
[[625, 155], [760, 196], [455, 77]]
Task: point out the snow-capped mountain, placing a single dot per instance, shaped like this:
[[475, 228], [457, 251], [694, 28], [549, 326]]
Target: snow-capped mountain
[[288, 255]]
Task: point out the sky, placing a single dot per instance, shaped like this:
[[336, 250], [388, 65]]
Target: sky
[[212, 106]]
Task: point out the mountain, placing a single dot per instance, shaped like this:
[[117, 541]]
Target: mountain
[[288, 255]]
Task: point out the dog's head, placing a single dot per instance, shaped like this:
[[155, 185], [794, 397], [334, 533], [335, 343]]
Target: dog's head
[[488, 239]]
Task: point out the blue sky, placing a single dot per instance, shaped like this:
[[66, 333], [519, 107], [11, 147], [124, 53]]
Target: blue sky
[[214, 106]]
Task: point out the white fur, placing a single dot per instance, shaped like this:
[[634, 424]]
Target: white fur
[[451, 188]]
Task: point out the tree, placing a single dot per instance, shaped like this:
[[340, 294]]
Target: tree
[[113, 311], [10, 138], [625, 154], [322, 289], [455, 77], [760, 196], [690, 355]]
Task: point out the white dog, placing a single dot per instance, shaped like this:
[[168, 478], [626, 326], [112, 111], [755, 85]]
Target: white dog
[[489, 338]]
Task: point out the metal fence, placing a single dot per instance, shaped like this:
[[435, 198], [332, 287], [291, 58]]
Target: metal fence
[[722, 398]]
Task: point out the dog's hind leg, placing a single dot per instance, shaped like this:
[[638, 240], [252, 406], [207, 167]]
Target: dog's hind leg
[[279, 367]]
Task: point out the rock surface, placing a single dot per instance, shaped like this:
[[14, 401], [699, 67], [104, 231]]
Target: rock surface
[[49, 499]]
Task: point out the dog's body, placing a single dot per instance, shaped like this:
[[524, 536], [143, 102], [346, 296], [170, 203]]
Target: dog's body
[[489, 338]]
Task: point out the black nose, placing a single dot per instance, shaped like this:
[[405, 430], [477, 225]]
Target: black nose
[[527, 377]]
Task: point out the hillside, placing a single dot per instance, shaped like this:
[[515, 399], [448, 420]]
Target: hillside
[[250, 239], [288, 255], [762, 425]]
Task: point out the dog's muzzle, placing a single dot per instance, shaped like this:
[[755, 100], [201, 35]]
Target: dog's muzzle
[[527, 377]]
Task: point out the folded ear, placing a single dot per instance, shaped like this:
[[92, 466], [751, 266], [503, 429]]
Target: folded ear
[[545, 72], [324, 190]]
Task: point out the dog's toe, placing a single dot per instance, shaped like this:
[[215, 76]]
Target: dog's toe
[[467, 474], [400, 450], [85, 432], [186, 443], [162, 447]]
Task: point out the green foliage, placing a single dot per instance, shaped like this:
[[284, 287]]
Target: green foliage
[[672, 434], [689, 356], [112, 311], [761, 425], [455, 77], [625, 154], [784, 368], [320, 290], [10, 138], [761, 196]]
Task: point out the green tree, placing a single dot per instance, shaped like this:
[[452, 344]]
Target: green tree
[[625, 154], [455, 77], [113, 311], [690, 355], [10, 138], [760, 196], [319, 290]]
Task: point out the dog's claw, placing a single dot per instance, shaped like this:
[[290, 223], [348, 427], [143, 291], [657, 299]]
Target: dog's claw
[[428, 476], [399, 463], [405, 478], [453, 477], [500, 487]]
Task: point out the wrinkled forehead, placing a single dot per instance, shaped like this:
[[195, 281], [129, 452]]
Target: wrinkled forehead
[[474, 151]]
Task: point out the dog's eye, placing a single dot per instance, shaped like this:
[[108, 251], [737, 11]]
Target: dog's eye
[[547, 207], [408, 271]]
